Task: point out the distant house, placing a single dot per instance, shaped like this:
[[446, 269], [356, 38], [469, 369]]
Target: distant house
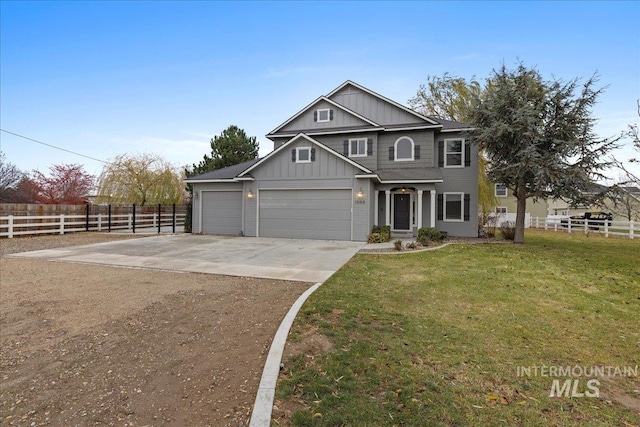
[[347, 161], [624, 204]]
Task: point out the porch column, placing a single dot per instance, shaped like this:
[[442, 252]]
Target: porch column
[[433, 209], [419, 209], [375, 207], [388, 208]]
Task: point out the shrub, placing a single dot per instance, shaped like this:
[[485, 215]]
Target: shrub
[[375, 229], [508, 230], [398, 245], [374, 238], [428, 234], [385, 233], [411, 245]]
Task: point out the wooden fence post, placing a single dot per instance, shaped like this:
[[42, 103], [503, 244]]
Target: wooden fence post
[[10, 224], [159, 217], [631, 229], [61, 223], [109, 218], [174, 218], [87, 217], [606, 228], [99, 222], [134, 219]]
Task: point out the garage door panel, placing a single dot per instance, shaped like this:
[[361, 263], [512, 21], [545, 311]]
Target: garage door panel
[[311, 214], [222, 212]]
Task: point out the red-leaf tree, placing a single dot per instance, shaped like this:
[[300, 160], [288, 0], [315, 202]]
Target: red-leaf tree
[[66, 184]]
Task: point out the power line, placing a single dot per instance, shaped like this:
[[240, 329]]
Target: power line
[[53, 146]]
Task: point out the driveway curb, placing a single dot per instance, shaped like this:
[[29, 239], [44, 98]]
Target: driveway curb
[[263, 406]]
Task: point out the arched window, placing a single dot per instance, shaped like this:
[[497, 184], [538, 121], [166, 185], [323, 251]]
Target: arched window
[[404, 149]]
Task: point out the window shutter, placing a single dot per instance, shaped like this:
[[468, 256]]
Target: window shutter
[[315, 116], [440, 154], [370, 147], [293, 155], [467, 154], [391, 153], [345, 148], [416, 152], [440, 207], [467, 202], [313, 154], [330, 114]]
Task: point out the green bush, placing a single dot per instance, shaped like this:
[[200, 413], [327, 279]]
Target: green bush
[[508, 230], [428, 234], [385, 233], [398, 245]]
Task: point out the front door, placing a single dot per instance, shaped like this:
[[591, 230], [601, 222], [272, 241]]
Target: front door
[[401, 205]]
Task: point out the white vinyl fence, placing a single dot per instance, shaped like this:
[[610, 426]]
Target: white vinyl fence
[[629, 229], [21, 225]]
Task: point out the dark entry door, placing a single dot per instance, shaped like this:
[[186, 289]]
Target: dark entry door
[[401, 211]]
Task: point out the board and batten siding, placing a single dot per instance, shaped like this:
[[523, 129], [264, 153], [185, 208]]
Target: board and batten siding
[[423, 138], [305, 122], [373, 108], [336, 143]]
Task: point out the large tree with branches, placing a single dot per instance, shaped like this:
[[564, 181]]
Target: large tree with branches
[[144, 179], [538, 136]]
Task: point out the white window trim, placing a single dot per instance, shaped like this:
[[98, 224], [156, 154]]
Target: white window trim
[[328, 110], [444, 207], [462, 159], [351, 154], [395, 150], [501, 208], [506, 191], [298, 150]]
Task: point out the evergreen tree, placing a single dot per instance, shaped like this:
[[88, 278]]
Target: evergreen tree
[[538, 136]]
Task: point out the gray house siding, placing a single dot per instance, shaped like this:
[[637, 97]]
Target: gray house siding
[[464, 180], [336, 143], [305, 122], [422, 138], [373, 108], [314, 199]]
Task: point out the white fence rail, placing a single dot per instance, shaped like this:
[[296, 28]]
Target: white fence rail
[[628, 229], [21, 225]]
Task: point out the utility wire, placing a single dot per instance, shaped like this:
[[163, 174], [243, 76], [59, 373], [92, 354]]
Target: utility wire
[[53, 146]]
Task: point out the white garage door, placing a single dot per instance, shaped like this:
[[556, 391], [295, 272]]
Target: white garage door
[[306, 214], [222, 212]]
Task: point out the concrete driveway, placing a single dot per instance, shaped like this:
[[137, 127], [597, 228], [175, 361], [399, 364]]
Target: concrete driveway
[[285, 259]]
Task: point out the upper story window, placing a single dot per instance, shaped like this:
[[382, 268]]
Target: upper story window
[[323, 115], [303, 155], [358, 147], [404, 149], [501, 190], [454, 153]]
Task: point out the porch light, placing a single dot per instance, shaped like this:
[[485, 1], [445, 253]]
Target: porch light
[[403, 190], [250, 194], [360, 194]]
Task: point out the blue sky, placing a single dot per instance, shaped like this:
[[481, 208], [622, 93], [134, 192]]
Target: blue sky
[[107, 78]]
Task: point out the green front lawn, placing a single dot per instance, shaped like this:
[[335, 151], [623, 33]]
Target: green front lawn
[[437, 338]]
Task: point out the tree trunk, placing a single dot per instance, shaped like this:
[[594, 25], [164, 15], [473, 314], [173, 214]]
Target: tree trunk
[[521, 209]]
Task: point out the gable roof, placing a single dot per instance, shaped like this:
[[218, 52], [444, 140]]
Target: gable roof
[[224, 174], [313, 141], [385, 99], [335, 104]]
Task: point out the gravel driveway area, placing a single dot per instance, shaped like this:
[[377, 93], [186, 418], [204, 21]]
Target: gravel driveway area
[[99, 346]]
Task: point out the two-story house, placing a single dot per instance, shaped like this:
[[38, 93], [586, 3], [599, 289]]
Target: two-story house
[[348, 161]]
